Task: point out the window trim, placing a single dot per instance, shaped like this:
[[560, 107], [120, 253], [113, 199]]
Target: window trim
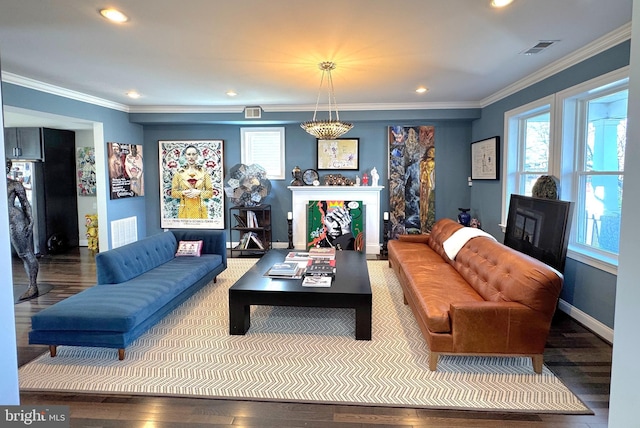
[[570, 102], [246, 152], [511, 160]]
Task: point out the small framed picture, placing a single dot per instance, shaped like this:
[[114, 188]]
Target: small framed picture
[[484, 159], [341, 153]]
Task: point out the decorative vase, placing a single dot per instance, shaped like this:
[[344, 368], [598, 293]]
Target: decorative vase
[[464, 218]]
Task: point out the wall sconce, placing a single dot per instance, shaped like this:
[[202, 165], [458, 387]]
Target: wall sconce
[[290, 229]]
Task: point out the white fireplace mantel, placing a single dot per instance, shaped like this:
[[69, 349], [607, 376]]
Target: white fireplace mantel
[[369, 195]]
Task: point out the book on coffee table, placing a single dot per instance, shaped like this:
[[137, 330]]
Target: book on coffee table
[[317, 281], [322, 253], [297, 256], [289, 270], [320, 267]]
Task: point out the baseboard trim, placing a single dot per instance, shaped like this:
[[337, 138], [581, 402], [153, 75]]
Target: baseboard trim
[[603, 331]]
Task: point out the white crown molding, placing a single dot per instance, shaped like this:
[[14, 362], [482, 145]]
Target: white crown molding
[[62, 92], [186, 109], [600, 45], [284, 108], [609, 40], [379, 106]]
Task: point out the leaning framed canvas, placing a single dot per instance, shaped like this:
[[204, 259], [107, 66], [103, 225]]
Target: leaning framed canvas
[[341, 153], [191, 184], [484, 159], [336, 224]]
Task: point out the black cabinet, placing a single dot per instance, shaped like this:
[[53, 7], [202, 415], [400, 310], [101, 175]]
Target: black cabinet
[[23, 143], [60, 200], [251, 226]]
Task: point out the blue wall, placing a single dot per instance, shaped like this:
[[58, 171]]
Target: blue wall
[[116, 127], [589, 289], [452, 161]]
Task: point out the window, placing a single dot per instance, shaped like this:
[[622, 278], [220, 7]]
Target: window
[[578, 135], [265, 147], [595, 121], [527, 149]]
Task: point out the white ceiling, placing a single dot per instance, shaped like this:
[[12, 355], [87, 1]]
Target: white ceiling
[[188, 54]]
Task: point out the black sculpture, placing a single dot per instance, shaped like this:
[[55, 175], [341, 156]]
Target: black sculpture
[[21, 232]]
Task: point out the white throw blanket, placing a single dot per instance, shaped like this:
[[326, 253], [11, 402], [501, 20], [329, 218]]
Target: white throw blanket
[[455, 242]]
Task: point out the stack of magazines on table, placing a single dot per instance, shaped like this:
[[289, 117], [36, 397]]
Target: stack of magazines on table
[[317, 267], [286, 270]]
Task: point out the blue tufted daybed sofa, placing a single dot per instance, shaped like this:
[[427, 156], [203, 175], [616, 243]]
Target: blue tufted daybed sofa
[[137, 285]]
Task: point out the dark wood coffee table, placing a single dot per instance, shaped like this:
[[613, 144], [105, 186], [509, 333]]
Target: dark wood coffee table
[[350, 289]]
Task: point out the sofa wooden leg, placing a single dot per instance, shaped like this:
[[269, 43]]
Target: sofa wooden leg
[[433, 361], [404, 298], [53, 350], [121, 354], [215, 279], [537, 361]]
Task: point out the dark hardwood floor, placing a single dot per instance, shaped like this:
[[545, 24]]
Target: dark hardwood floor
[[574, 354]]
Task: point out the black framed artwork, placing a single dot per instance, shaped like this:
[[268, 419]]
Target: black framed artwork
[[484, 159], [338, 154]]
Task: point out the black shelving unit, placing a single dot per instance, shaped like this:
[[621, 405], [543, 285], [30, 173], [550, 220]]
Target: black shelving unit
[[250, 230]]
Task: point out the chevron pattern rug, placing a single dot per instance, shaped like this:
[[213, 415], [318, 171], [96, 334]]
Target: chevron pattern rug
[[300, 355]]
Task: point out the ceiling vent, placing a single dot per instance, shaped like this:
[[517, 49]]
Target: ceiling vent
[[252, 113], [541, 46]]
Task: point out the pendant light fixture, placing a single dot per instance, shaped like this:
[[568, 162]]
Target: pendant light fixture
[[329, 129]]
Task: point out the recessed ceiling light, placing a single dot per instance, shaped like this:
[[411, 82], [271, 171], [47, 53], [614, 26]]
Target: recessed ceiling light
[[133, 94], [500, 3], [114, 15], [232, 93], [421, 90]]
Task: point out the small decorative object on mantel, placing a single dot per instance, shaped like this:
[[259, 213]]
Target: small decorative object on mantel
[[337, 180], [464, 218], [247, 185], [309, 176], [365, 179], [296, 173], [374, 177]]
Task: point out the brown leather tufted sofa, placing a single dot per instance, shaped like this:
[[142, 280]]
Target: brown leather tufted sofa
[[490, 300]]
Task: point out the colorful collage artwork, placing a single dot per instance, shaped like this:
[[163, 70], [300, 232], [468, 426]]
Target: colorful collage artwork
[[337, 224], [412, 179]]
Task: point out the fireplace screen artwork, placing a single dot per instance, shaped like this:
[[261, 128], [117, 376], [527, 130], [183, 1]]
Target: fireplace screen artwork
[[412, 184], [337, 224]]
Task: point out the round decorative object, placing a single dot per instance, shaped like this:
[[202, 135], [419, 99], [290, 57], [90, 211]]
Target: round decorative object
[[545, 187], [247, 185], [316, 182], [309, 176]]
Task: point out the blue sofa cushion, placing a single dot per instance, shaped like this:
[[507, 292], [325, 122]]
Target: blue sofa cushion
[[121, 307], [127, 262]]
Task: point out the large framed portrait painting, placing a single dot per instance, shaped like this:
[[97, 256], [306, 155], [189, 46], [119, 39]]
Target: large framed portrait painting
[[191, 184]]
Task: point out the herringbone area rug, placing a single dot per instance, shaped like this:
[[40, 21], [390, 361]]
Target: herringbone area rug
[[301, 355]]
